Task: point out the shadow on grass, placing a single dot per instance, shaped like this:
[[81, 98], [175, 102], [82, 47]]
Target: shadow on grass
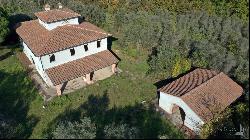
[[16, 93], [145, 119], [6, 55]]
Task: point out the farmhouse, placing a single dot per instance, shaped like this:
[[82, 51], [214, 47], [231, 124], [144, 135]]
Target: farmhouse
[[62, 49], [198, 96]]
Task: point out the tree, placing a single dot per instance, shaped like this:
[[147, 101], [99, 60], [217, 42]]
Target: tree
[[227, 123], [219, 126], [84, 129], [4, 30], [169, 62], [120, 131], [197, 39], [241, 113], [140, 29], [90, 12]]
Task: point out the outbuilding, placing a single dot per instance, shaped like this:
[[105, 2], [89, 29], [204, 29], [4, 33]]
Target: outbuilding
[[198, 96]]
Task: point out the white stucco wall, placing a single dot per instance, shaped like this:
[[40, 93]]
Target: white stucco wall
[[53, 25], [47, 80], [64, 56], [192, 120], [38, 64]]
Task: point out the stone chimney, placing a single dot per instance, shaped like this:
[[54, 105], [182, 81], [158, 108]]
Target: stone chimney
[[47, 7], [60, 5]]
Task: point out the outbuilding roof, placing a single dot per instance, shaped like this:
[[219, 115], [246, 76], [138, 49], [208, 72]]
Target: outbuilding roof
[[206, 92]]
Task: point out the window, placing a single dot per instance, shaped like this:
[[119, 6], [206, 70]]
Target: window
[[32, 59], [52, 58], [86, 48], [98, 43], [64, 22], [72, 51]]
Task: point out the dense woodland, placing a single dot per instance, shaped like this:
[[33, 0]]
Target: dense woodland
[[177, 35]]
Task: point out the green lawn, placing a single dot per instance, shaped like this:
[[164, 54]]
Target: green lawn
[[115, 99], [4, 51]]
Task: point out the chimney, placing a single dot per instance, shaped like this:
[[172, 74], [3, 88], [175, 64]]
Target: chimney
[[47, 7], [60, 5]]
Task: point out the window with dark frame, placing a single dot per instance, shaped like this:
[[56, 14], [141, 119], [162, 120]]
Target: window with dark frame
[[86, 47], [66, 21], [72, 51], [98, 43], [33, 60], [52, 58]]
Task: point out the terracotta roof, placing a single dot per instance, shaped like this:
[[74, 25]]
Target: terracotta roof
[[188, 82], [42, 41], [206, 92], [91, 27], [33, 34], [80, 67], [56, 15]]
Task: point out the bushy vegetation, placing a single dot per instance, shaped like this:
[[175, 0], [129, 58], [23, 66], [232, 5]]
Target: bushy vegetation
[[76, 130], [174, 35], [120, 131], [228, 123], [199, 40], [3, 23], [85, 129]]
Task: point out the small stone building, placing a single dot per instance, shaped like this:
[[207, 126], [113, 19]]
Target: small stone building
[[199, 95]]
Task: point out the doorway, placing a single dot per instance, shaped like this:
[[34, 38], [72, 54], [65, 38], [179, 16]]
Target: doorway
[[178, 115]]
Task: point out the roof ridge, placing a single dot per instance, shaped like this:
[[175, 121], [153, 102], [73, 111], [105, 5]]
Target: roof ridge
[[218, 93], [72, 25], [51, 15], [183, 77], [67, 11], [203, 84], [51, 34], [28, 21]]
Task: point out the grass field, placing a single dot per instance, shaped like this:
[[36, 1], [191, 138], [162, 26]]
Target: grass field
[[116, 99]]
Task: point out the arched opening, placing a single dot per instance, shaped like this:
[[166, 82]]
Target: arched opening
[[178, 115], [91, 75]]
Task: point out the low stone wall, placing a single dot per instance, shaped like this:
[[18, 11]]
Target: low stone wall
[[78, 83], [102, 73]]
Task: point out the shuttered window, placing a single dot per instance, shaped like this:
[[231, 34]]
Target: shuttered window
[[52, 58], [98, 43], [86, 48], [72, 51]]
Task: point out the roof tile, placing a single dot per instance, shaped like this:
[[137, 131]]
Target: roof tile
[[56, 15], [80, 67], [206, 93], [42, 41]]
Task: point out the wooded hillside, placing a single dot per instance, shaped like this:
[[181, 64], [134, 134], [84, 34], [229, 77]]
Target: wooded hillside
[[176, 35]]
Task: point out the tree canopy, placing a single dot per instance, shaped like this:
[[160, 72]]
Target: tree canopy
[[177, 35], [3, 23], [84, 129]]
